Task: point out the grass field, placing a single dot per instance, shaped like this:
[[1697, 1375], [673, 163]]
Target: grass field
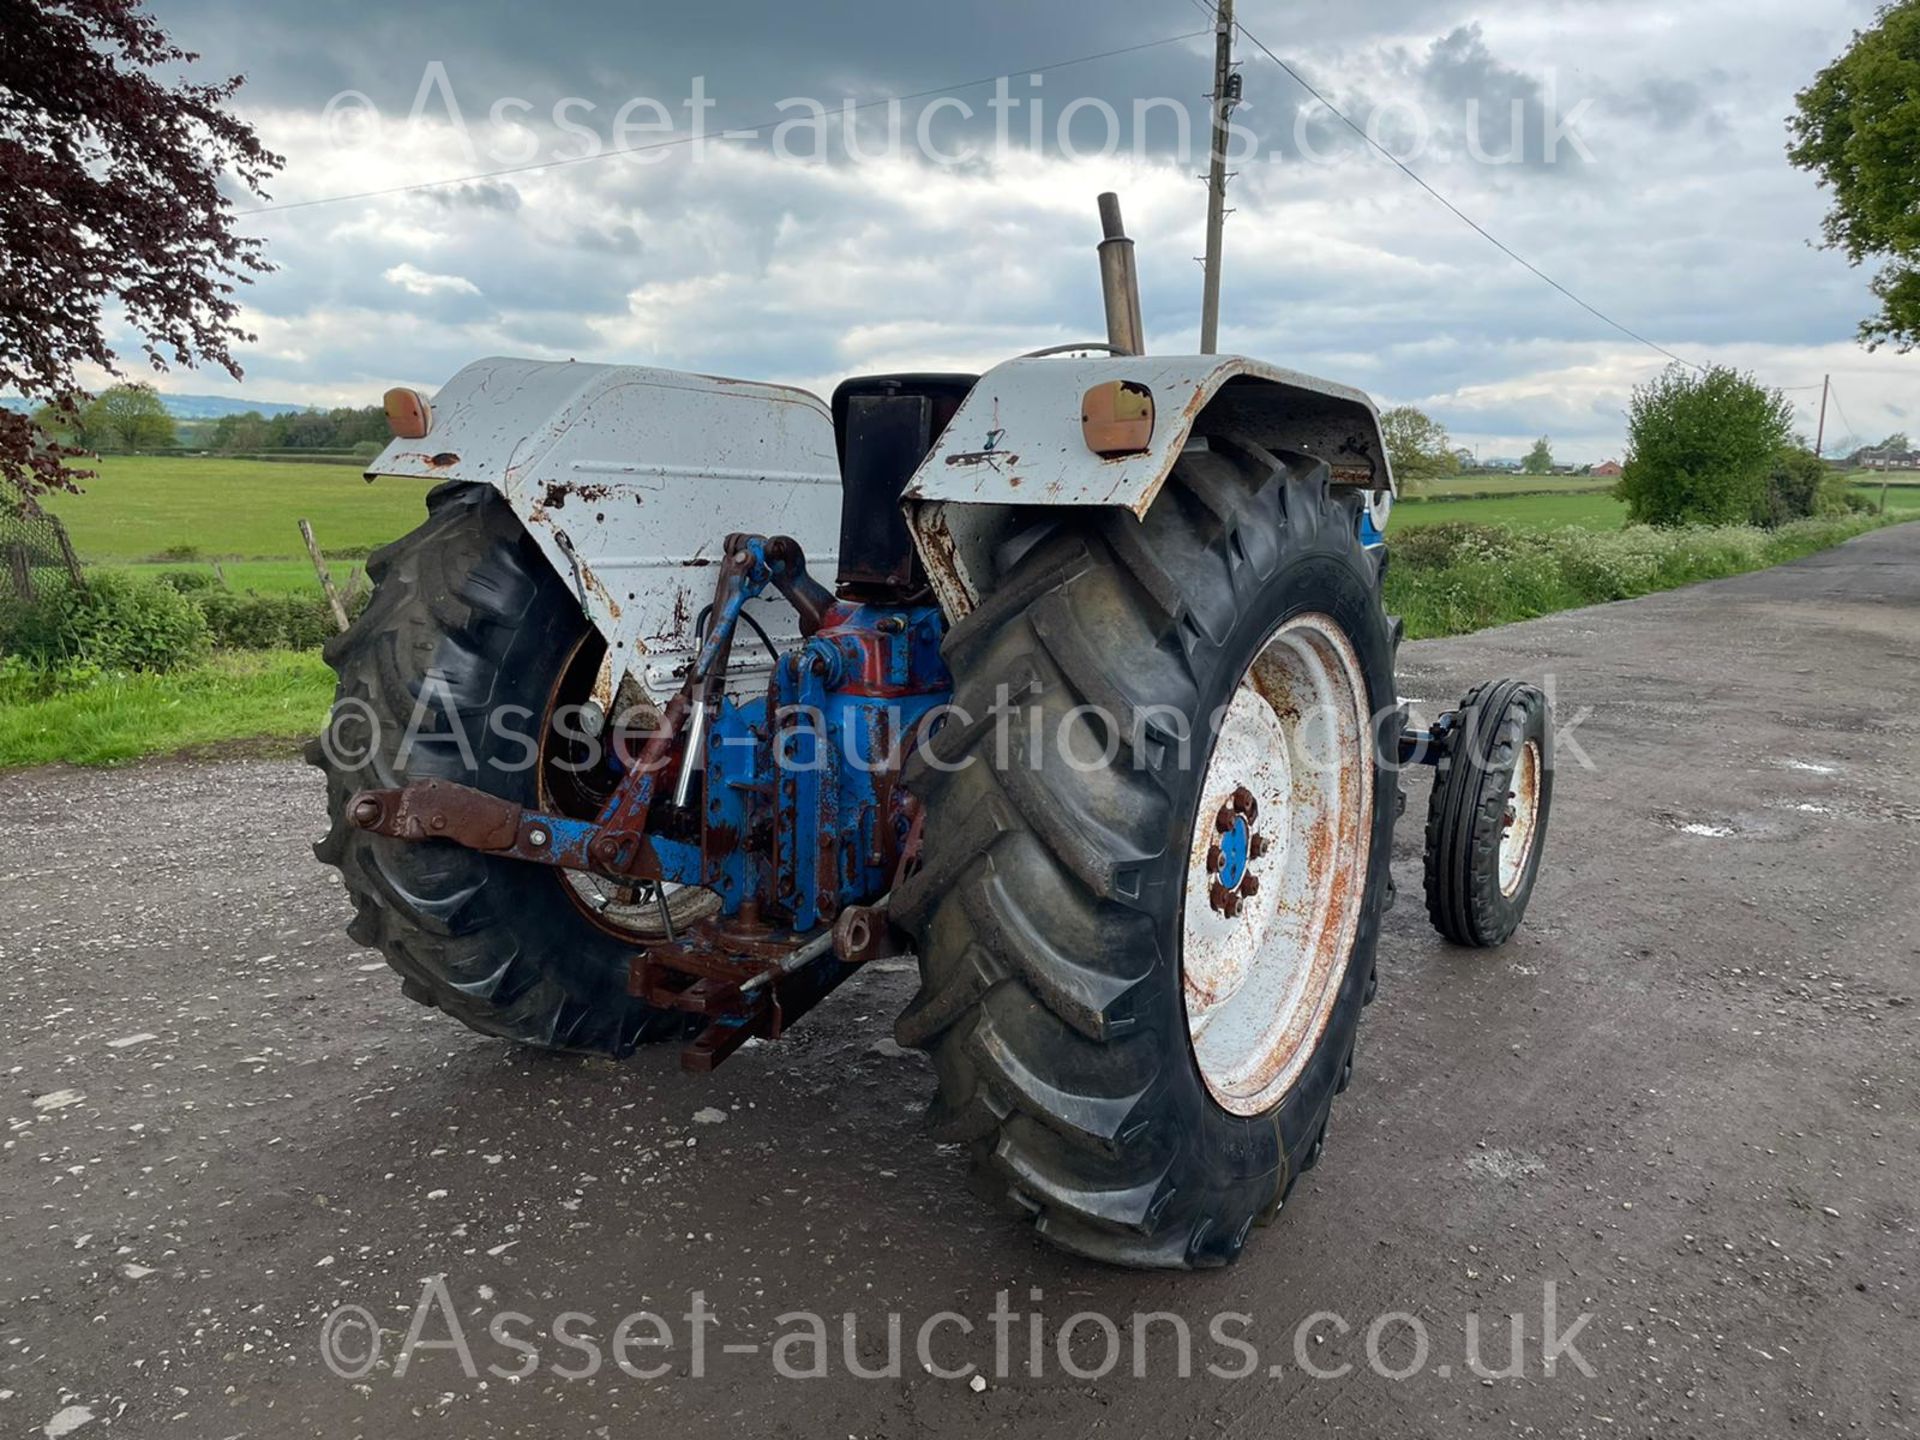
[[138, 507], [1901, 499], [1523, 512], [1463, 486], [260, 577]]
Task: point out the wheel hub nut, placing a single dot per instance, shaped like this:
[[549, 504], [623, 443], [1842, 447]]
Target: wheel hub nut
[[1230, 858]]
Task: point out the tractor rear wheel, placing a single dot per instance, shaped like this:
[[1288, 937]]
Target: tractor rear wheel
[[453, 672], [1148, 898]]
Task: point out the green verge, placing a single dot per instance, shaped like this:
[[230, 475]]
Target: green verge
[[272, 696], [1452, 579]]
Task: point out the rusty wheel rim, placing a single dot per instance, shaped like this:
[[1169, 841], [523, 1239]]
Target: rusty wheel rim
[[1277, 870], [588, 695], [1522, 825]]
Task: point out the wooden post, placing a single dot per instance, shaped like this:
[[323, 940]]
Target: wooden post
[[22, 571], [326, 580], [1224, 99], [66, 553]]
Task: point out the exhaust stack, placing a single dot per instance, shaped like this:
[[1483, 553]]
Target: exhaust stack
[[1119, 282]]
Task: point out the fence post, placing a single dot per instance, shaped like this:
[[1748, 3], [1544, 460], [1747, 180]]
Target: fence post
[[66, 553], [326, 580], [21, 569]]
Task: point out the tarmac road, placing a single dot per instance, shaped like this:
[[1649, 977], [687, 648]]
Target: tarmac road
[[1686, 1097]]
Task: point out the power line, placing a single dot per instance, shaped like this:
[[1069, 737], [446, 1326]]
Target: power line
[[731, 134], [1457, 212]]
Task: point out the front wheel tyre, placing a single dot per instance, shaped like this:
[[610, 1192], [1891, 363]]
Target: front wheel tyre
[[1487, 817], [1150, 896]]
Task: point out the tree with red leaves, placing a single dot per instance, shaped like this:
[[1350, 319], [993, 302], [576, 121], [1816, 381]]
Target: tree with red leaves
[[110, 193]]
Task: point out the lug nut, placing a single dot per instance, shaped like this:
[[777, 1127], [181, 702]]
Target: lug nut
[[1215, 859], [1257, 847], [1223, 822], [1250, 885], [1232, 906], [1244, 802], [1218, 897]]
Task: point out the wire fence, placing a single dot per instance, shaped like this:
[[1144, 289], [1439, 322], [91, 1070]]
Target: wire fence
[[33, 547]]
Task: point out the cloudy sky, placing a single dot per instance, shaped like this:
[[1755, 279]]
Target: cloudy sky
[[1631, 149]]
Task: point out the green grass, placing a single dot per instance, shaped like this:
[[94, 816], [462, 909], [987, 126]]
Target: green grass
[[1521, 512], [261, 695], [1460, 486], [260, 577], [1454, 581], [139, 506], [1901, 499]]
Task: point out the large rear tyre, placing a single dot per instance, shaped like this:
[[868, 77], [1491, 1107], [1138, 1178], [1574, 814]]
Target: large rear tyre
[[450, 673], [1141, 979]]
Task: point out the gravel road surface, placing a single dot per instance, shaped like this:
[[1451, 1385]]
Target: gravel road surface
[[1680, 1112]]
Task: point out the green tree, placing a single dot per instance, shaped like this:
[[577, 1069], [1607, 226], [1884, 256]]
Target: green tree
[[1857, 128], [60, 426], [1701, 447], [1800, 484], [118, 184], [1418, 446], [127, 417], [1540, 458]]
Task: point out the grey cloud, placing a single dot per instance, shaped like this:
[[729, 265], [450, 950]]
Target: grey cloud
[[475, 195], [1689, 227]]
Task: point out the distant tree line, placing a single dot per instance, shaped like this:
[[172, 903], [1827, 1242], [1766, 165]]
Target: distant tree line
[[123, 419], [341, 430]]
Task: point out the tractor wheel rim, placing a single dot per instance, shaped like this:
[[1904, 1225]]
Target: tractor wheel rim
[[1522, 824], [629, 911], [1290, 788]]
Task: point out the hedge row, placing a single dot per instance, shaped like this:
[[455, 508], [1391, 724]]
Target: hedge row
[[1459, 576], [117, 622]]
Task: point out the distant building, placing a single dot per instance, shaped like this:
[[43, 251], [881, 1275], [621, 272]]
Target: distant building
[[1608, 468], [1890, 459]]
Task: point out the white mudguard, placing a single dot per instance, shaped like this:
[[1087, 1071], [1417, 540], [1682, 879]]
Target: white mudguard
[[1017, 442], [630, 478]]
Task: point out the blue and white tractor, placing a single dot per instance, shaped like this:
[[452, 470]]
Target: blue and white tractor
[[1097, 718]]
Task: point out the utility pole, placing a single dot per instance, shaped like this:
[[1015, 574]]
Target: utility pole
[[1226, 93], [1820, 444]]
